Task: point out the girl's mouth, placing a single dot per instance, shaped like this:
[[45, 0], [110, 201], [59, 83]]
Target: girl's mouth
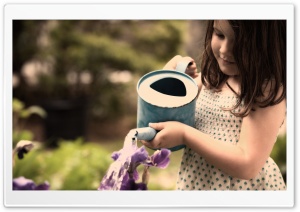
[[226, 62]]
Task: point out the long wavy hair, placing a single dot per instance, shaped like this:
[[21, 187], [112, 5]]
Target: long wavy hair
[[260, 54]]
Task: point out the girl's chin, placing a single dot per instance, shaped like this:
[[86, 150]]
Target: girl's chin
[[230, 71]]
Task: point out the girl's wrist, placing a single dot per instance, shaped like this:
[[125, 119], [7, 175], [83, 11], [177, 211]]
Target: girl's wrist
[[184, 134]]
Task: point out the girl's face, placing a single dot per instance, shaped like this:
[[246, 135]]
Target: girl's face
[[222, 46]]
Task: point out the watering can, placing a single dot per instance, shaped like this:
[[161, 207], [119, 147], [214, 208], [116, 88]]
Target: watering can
[[165, 95]]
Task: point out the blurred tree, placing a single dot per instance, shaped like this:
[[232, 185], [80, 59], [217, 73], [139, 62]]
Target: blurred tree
[[76, 59], [25, 48], [80, 55]]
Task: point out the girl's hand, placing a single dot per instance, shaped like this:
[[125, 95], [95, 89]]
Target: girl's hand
[[190, 70], [170, 134]]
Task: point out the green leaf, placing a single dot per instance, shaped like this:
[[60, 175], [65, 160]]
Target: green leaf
[[17, 105]]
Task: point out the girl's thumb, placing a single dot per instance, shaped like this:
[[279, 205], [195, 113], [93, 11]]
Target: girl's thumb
[[156, 126]]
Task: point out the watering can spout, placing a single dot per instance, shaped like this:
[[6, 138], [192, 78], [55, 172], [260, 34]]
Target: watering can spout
[[145, 133]]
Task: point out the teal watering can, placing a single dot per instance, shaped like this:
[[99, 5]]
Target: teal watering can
[[165, 95]]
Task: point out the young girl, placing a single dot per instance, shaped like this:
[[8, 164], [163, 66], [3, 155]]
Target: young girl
[[240, 108]]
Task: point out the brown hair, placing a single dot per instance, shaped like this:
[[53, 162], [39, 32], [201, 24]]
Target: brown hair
[[260, 55]]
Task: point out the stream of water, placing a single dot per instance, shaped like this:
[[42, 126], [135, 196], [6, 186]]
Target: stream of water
[[117, 170]]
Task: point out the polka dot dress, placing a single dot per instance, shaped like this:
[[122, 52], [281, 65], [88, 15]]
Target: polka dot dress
[[196, 174]]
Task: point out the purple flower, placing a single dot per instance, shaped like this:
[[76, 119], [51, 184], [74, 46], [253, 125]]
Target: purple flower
[[130, 184], [160, 158], [21, 183], [107, 183], [115, 155], [139, 156]]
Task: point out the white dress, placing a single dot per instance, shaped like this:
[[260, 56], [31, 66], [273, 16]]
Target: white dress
[[196, 174]]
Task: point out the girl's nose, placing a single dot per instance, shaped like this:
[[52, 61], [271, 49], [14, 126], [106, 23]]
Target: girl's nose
[[226, 47]]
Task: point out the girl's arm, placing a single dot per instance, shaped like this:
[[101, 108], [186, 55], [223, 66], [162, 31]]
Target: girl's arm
[[243, 160]]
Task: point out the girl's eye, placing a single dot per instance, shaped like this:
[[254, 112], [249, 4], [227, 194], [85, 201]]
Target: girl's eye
[[219, 35]]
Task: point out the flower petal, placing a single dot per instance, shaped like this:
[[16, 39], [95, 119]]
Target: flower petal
[[139, 156], [107, 183], [21, 183], [160, 158], [43, 186], [130, 184], [135, 175], [115, 155], [127, 183]]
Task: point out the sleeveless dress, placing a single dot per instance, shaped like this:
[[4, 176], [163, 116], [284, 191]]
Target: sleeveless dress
[[197, 174]]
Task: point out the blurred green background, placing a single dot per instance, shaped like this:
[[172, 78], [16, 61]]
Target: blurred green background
[[74, 89]]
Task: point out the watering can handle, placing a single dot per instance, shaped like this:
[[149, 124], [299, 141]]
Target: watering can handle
[[181, 66]]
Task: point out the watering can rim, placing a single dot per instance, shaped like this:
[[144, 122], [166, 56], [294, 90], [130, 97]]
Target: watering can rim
[[166, 71]]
